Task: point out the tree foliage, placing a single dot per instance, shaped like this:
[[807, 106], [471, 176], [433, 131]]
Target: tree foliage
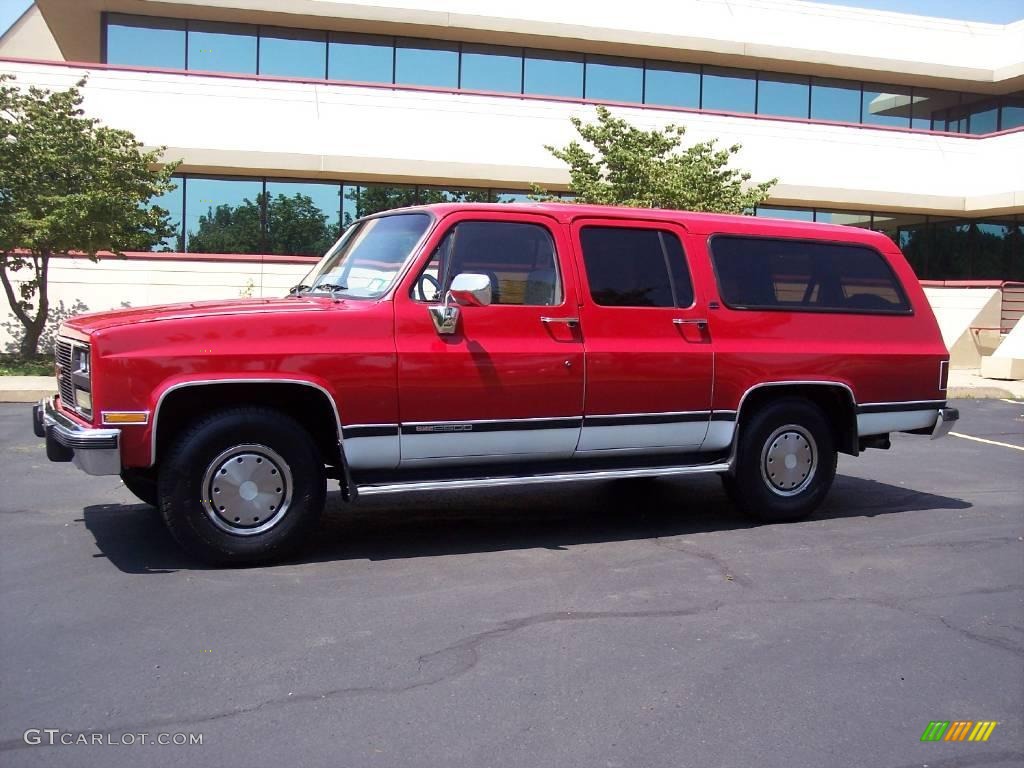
[[624, 165], [67, 184]]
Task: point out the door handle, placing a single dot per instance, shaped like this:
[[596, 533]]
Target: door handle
[[702, 324], [570, 321]]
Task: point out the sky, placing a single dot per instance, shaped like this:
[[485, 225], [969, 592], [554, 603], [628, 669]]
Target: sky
[[994, 11]]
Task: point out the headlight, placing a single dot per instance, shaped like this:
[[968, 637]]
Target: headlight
[[83, 400], [82, 361]]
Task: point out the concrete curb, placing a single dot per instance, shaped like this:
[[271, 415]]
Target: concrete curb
[[979, 393], [26, 389]]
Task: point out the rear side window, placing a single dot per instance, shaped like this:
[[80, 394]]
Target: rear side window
[[635, 267], [775, 273]]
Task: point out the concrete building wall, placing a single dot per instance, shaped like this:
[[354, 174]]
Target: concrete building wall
[[30, 38]]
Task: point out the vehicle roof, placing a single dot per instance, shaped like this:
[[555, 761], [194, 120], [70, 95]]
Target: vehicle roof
[[699, 223]]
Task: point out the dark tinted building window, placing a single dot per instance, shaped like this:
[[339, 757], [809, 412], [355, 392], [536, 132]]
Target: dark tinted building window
[[292, 53], [422, 62], [491, 68], [730, 90], [614, 79], [146, 42], [548, 73], [173, 203], [518, 258], [635, 267], [837, 100], [928, 111], [984, 117], [672, 85], [767, 273], [1012, 112], [363, 58], [216, 47], [302, 217], [886, 105], [785, 95], [223, 215]]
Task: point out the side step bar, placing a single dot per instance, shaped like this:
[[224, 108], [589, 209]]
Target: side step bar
[[374, 489]]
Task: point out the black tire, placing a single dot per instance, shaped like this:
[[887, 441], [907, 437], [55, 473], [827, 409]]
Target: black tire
[[141, 482], [257, 517], [797, 439]]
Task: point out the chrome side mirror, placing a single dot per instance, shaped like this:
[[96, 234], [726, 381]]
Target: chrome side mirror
[[471, 290]]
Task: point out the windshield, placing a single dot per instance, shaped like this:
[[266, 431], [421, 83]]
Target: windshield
[[368, 257]]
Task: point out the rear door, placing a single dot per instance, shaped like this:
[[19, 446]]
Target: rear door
[[648, 351]]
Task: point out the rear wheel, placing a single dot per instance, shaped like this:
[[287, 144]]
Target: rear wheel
[[141, 482], [242, 486], [785, 462]]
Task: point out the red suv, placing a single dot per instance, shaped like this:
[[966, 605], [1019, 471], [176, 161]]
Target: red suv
[[459, 346]]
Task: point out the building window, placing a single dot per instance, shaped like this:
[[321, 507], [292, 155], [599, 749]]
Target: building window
[[173, 203], [361, 58], [611, 79], [293, 53], [492, 68], [217, 47], [729, 90], [633, 267], [984, 117], [804, 275], [672, 85], [886, 105], [374, 198], [548, 73], [145, 42], [1011, 114], [784, 95], [223, 215], [844, 218], [422, 62], [793, 214], [837, 100], [302, 217], [929, 107]]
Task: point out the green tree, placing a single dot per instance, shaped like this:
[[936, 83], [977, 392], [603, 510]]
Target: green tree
[[381, 197], [295, 226], [624, 165], [68, 184]]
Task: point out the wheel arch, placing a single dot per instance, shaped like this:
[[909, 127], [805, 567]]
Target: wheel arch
[[835, 398], [306, 401]]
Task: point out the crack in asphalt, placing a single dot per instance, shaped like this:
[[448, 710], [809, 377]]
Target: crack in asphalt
[[728, 573]]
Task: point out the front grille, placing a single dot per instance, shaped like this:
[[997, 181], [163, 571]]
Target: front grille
[[65, 387]]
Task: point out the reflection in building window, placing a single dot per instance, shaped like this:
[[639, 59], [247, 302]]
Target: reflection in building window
[[837, 100], [793, 214], [374, 198], [302, 217], [172, 202], [217, 47], [613, 79], [223, 216], [886, 105], [492, 68], [292, 53], [930, 107], [844, 218], [549, 73], [423, 62], [145, 42], [361, 58], [672, 85], [1011, 114], [984, 117], [730, 90], [783, 95]]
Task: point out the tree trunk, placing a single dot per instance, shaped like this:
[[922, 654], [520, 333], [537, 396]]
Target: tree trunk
[[33, 326], [30, 341]]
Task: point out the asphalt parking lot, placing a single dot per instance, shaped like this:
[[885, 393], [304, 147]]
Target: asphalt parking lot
[[617, 624]]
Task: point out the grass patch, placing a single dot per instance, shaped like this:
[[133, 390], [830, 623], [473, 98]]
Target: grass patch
[[17, 365]]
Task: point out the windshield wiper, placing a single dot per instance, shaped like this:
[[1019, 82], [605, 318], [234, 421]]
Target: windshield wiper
[[332, 287], [298, 288]]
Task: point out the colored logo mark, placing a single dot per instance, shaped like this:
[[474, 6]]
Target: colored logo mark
[[959, 730]]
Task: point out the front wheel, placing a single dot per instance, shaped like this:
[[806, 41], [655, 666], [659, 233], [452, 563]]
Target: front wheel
[[785, 462], [241, 486]]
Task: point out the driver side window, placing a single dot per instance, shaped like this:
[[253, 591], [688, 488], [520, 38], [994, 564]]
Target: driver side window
[[519, 259]]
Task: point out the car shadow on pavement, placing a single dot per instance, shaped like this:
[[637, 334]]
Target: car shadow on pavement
[[553, 517]]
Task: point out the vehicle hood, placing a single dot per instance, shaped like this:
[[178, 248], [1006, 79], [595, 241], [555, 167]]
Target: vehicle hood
[[97, 321]]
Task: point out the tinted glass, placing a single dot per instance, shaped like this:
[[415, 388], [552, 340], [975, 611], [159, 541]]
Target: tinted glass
[[767, 273], [614, 79], [672, 85], [216, 47], [510, 196], [730, 90], [363, 58], [929, 108], [422, 62], [223, 216], [846, 219], [984, 117], [374, 198], [302, 217], [635, 267], [886, 105], [910, 233], [172, 203], [146, 42], [837, 100], [553, 74], [429, 195], [491, 68], [518, 258], [794, 214], [785, 95], [1012, 112], [292, 53]]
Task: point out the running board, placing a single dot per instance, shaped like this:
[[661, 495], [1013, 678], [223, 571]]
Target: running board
[[374, 489]]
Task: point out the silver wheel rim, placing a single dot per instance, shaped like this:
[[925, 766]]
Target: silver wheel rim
[[789, 460], [247, 489]]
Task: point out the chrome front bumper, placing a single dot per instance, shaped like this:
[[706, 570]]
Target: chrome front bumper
[[947, 418], [94, 451]]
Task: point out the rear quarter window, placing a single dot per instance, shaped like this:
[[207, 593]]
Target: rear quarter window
[[805, 275]]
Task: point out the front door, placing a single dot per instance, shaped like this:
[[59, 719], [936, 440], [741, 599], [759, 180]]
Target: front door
[[508, 383], [649, 356]]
